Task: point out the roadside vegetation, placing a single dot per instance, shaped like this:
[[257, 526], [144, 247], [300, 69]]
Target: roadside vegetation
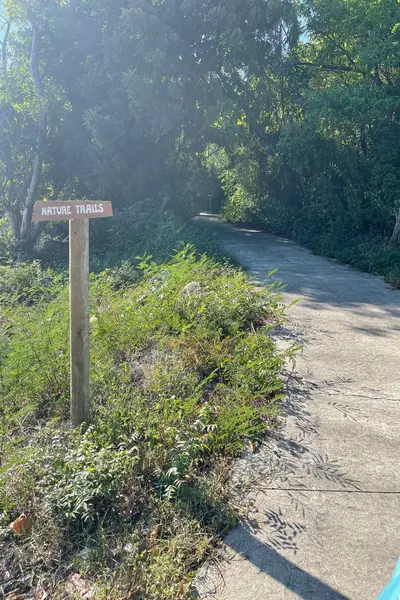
[[282, 113], [184, 376]]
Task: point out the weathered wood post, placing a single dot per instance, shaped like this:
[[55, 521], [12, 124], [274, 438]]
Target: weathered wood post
[[78, 214], [79, 320]]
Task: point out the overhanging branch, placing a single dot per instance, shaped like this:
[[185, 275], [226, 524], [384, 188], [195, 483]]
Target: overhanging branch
[[325, 67]]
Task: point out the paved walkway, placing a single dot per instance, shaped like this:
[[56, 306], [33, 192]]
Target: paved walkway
[[324, 522]]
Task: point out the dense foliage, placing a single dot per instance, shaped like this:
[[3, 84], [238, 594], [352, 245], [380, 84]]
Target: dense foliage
[[285, 110], [324, 163], [120, 99], [183, 376]]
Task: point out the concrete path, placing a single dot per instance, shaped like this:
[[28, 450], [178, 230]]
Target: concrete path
[[324, 492]]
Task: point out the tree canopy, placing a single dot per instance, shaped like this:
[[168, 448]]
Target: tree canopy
[[290, 106]]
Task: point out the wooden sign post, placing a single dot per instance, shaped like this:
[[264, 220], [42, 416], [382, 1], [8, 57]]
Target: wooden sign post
[[78, 214]]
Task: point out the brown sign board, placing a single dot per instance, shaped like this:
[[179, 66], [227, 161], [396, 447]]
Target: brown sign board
[[69, 211]]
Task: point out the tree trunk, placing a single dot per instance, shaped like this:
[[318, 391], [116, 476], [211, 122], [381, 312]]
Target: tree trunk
[[26, 223], [14, 219], [4, 48], [395, 239]]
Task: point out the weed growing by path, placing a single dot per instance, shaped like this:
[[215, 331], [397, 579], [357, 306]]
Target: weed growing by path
[[183, 378]]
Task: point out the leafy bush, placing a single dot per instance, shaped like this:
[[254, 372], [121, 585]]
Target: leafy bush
[[26, 283], [89, 480], [142, 230], [183, 377], [239, 184]]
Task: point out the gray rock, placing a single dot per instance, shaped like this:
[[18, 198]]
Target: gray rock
[[191, 289], [137, 373]]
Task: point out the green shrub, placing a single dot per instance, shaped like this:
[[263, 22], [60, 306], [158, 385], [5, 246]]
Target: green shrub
[[142, 230], [89, 480], [26, 283], [183, 378]]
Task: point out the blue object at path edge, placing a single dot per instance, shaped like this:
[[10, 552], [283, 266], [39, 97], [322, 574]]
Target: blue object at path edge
[[392, 591]]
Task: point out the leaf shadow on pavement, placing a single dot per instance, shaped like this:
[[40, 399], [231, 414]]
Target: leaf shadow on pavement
[[287, 463]]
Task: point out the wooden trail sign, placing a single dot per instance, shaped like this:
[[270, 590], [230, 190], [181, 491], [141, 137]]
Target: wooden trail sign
[[69, 211], [78, 214]]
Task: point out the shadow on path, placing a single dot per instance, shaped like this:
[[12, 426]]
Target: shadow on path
[[319, 493], [269, 561]]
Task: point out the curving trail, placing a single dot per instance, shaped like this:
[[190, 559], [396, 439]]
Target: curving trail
[[325, 514]]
